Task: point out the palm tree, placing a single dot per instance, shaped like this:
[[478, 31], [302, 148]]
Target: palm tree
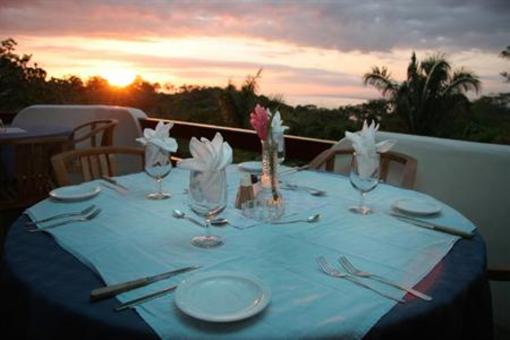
[[506, 54], [430, 95]]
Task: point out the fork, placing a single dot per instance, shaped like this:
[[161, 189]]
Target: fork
[[349, 267], [332, 271], [85, 218], [55, 217]]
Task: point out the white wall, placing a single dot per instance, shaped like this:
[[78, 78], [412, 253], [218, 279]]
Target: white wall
[[71, 116], [474, 178]]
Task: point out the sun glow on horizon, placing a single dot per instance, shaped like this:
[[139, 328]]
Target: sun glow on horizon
[[289, 70], [119, 76]]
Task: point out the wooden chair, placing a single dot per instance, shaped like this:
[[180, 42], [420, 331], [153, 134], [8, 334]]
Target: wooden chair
[[93, 163], [97, 132], [327, 160], [25, 170]]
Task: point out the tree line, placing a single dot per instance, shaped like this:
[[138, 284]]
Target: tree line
[[431, 100]]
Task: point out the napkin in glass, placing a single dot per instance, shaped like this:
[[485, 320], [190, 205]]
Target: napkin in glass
[[363, 143], [210, 158], [160, 139]]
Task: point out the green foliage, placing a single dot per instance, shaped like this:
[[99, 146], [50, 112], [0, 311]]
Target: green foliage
[[430, 98], [431, 101], [506, 54]]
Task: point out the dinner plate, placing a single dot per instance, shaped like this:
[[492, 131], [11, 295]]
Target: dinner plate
[[415, 206], [74, 193], [252, 166], [222, 296]]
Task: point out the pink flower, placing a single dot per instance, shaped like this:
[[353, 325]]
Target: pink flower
[[259, 120]]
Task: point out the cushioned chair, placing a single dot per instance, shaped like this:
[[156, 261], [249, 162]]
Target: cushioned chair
[[96, 132], [399, 167], [92, 163]]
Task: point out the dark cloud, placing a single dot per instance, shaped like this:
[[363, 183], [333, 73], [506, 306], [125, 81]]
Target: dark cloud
[[449, 25]]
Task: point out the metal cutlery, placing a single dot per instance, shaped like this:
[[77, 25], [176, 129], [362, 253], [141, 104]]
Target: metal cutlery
[[310, 219], [83, 218], [112, 290], [312, 191], [144, 298], [116, 185], [179, 214], [64, 215], [293, 170], [431, 225], [221, 221], [333, 272], [349, 267]]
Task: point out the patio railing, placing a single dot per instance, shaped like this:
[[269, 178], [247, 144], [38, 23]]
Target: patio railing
[[297, 149]]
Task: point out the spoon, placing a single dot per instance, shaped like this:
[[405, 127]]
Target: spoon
[[310, 219], [179, 214], [221, 221]]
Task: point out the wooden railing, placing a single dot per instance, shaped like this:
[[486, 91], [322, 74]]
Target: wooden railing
[[301, 149]]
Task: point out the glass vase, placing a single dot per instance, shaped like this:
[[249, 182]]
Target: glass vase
[[269, 200]]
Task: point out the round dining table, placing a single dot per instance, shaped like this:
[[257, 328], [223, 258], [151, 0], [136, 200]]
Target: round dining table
[[45, 295]]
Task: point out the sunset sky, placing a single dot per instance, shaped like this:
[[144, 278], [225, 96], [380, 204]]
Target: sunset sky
[[311, 52]]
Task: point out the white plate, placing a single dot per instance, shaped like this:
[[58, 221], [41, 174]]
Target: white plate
[[415, 206], [221, 296], [253, 166], [74, 193]]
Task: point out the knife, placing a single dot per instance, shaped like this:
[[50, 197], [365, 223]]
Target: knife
[[112, 290], [144, 298], [115, 183], [432, 226]]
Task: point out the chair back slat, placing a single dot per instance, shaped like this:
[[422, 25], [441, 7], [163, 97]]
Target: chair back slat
[[97, 133], [93, 162], [327, 159]]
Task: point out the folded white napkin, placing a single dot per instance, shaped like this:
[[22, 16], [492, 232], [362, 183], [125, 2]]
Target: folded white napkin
[[363, 143], [278, 129], [159, 137], [208, 155]]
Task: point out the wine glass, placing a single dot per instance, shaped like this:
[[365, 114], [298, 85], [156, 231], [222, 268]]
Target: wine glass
[[157, 166], [207, 197], [364, 178]]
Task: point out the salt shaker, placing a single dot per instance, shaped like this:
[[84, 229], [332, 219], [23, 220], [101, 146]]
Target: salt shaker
[[245, 192]]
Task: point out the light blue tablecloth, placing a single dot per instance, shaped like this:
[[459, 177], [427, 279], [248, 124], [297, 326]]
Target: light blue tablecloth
[[135, 237]]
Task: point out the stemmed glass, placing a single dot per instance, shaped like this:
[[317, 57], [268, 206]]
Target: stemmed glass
[[207, 198], [364, 178], [157, 166]]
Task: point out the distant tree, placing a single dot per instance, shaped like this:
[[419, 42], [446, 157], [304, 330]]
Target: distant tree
[[506, 54], [237, 104], [20, 83], [430, 97]]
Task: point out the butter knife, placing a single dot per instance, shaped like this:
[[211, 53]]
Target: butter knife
[[143, 299], [431, 225], [112, 290], [115, 183]]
